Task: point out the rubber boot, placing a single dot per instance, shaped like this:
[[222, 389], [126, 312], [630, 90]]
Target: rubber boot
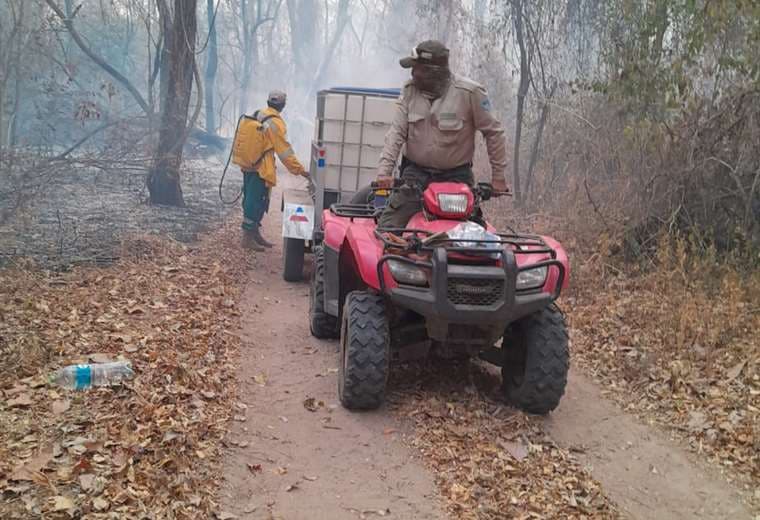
[[249, 242], [260, 240]]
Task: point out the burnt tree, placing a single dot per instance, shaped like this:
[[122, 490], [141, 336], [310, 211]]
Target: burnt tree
[[211, 67], [180, 25], [518, 7]]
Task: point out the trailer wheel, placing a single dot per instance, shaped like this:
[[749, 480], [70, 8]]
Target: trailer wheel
[[293, 250]]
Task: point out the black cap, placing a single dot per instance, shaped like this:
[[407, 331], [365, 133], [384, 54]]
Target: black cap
[[430, 52]]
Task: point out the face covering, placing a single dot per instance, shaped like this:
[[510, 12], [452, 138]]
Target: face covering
[[432, 80]]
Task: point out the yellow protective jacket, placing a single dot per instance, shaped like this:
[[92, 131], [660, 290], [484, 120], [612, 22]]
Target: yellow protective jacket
[[277, 132]]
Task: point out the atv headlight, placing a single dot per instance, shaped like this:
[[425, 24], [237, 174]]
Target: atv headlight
[[531, 278], [407, 273], [453, 203]]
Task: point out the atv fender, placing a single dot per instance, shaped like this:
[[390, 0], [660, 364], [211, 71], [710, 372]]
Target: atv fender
[[335, 229], [365, 251], [553, 275]]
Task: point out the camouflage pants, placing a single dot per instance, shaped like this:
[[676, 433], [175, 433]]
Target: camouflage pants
[[407, 200]]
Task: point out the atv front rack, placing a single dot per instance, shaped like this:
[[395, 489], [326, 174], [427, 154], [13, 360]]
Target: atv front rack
[[398, 243], [419, 241]]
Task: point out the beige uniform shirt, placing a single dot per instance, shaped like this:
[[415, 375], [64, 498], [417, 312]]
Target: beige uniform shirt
[[440, 134]]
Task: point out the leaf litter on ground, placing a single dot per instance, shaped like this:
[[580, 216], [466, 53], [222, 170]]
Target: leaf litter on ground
[[678, 350], [489, 460], [151, 444]]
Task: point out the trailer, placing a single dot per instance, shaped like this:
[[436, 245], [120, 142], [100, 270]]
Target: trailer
[[349, 134]]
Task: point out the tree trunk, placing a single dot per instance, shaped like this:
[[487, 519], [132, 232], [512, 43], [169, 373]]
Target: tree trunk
[[522, 91], [211, 66], [20, 43], [13, 126], [164, 20], [537, 141], [264, 14], [2, 116], [342, 19], [301, 17], [248, 36], [164, 177]]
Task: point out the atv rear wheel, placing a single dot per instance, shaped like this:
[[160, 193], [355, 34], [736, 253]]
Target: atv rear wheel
[[323, 326], [534, 374], [365, 351]]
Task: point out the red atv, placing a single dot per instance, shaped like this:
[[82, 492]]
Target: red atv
[[447, 284]]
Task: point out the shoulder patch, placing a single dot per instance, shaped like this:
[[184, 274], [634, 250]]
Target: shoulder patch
[[485, 104], [466, 84]]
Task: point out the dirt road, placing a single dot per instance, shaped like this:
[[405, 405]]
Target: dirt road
[[294, 453], [300, 454]]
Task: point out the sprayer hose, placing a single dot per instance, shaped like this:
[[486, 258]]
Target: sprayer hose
[[229, 157]]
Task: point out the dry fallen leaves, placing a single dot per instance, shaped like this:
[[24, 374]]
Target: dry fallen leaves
[[61, 503], [86, 481], [491, 462], [121, 445], [31, 469], [21, 400], [60, 406], [679, 349], [312, 404]]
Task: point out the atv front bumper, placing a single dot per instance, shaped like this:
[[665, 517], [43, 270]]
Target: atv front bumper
[[470, 294]]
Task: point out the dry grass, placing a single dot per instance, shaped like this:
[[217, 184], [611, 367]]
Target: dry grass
[[678, 344]]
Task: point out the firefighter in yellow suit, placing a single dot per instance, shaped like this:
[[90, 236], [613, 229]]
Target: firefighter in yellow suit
[[257, 185]]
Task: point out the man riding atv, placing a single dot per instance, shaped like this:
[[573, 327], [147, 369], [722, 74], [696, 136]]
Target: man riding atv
[[437, 116], [429, 274]]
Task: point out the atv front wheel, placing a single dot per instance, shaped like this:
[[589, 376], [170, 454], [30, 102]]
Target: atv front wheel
[[534, 373], [323, 326], [365, 351]]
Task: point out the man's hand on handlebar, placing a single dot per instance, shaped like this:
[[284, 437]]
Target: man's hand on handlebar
[[499, 186], [383, 182]]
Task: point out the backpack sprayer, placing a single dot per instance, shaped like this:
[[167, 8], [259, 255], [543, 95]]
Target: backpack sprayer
[[249, 146]]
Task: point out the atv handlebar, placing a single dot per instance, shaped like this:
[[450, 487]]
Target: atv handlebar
[[397, 183], [482, 190]]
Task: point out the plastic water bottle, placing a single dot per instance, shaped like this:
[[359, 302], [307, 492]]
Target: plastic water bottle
[[81, 377]]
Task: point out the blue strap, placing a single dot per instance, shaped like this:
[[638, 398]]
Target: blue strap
[[83, 377]]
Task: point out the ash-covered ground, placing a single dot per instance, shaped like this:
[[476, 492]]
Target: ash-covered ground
[[81, 215]]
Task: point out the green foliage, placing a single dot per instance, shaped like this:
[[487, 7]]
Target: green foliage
[[662, 53]]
